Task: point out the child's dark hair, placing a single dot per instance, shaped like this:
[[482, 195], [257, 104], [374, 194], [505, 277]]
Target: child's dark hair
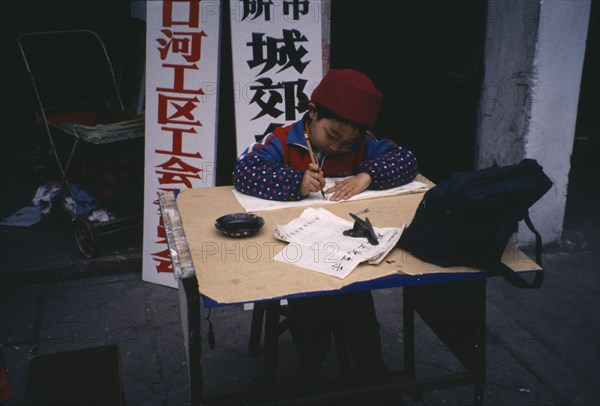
[[322, 112]]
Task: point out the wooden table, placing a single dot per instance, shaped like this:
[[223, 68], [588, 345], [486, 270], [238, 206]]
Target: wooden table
[[218, 270]]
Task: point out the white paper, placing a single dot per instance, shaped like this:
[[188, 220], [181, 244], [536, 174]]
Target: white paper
[[317, 243], [251, 203]]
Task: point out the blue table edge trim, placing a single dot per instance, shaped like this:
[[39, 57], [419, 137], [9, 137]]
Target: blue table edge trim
[[392, 281]]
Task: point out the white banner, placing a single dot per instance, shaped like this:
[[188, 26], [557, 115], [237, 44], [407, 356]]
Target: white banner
[[277, 61], [182, 65]]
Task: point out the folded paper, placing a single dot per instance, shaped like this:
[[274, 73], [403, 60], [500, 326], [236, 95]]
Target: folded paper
[[317, 242]]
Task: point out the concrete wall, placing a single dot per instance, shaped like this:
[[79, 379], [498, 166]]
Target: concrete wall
[[533, 62], [505, 105]]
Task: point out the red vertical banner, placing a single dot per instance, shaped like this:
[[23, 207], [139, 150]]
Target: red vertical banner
[[182, 65]]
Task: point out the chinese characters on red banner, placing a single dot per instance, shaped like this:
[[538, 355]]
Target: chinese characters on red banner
[[179, 109]]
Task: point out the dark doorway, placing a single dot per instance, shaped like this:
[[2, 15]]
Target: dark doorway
[[426, 58], [583, 195]]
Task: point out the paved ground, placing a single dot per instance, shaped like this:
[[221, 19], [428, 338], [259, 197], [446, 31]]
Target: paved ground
[[542, 344]]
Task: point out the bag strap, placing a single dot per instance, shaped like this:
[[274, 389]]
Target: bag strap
[[513, 277], [538, 239]]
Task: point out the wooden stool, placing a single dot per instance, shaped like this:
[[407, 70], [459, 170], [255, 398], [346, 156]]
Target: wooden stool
[[273, 329], [256, 328]]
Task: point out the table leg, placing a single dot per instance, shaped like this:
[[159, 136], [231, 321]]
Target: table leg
[[258, 315], [189, 302], [271, 349], [342, 351], [409, 337], [409, 341], [456, 313]]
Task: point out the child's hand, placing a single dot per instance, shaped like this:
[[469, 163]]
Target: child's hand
[[347, 188], [312, 181]]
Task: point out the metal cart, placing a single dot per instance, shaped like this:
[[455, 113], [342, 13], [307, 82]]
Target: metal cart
[[81, 111]]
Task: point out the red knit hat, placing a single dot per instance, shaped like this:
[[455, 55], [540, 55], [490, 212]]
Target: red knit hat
[[349, 94]]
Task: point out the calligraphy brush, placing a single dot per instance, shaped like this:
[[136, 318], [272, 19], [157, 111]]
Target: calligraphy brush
[[310, 151]]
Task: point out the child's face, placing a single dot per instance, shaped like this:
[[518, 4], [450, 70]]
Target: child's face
[[329, 135]]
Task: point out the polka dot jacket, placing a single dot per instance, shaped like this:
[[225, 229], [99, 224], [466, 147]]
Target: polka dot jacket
[[273, 168]]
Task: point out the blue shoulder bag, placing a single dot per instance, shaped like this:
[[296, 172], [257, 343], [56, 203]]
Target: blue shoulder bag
[[468, 219]]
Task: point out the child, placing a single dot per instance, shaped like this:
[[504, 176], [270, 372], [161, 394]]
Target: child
[[341, 108]]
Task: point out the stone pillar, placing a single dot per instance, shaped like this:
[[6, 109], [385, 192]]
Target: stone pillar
[[534, 55]]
